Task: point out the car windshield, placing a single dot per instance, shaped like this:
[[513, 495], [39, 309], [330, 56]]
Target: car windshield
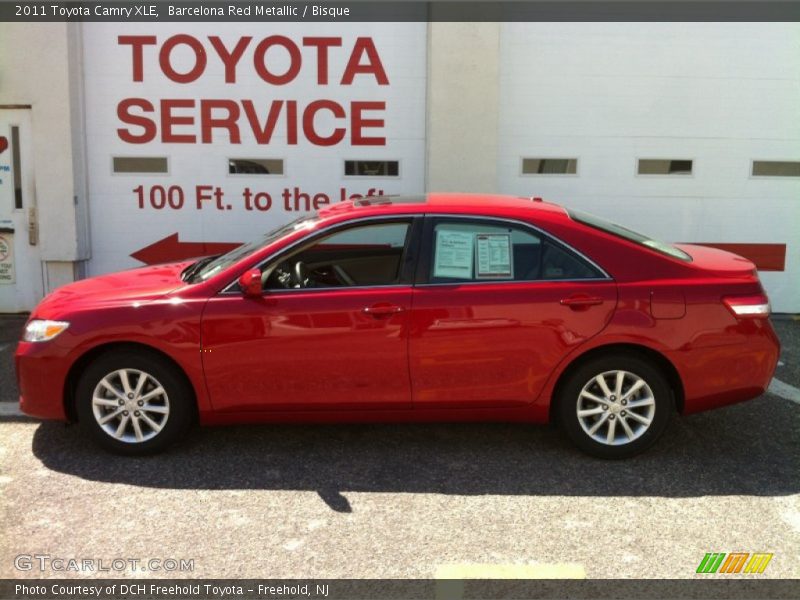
[[208, 267], [624, 232]]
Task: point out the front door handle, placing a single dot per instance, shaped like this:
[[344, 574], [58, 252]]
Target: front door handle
[[382, 310], [581, 302]]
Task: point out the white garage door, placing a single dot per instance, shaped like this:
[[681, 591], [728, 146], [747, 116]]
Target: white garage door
[[204, 136], [685, 131]]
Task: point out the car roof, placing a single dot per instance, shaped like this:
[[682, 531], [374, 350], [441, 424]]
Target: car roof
[[486, 204]]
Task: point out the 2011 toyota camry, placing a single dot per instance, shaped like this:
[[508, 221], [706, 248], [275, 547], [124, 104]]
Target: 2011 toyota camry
[[444, 307]]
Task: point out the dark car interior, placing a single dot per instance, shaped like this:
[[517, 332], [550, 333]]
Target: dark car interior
[[373, 254], [542, 261], [337, 265]]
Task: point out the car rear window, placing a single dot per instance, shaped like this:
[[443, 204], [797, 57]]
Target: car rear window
[[475, 249], [625, 233]]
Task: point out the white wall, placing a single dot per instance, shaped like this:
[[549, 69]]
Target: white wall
[[721, 94], [463, 88], [119, 227]]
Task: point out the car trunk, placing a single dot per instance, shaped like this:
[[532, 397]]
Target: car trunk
[[719, 262]]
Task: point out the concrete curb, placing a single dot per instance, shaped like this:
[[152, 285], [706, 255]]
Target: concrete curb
[[785, 317], [10, 411], [784, 390]]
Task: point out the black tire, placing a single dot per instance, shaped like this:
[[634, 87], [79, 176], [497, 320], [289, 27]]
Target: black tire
[[178, 398], [577, 429]]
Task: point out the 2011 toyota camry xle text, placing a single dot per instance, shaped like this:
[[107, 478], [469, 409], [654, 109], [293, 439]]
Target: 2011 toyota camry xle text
[[445, 307]]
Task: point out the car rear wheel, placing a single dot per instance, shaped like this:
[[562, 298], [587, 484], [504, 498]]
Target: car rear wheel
[[133, 403], [615, 406]]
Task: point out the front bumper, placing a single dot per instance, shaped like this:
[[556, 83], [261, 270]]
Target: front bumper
[[41, 377]]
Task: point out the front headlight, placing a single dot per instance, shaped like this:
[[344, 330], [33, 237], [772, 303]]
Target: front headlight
[[40, 330]]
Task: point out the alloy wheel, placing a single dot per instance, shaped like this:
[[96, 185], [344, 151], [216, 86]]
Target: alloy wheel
[[130, 405], [616, 407]]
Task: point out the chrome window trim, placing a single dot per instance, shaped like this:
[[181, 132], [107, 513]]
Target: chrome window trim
[[397, 286], [226, 291], [514, 281]]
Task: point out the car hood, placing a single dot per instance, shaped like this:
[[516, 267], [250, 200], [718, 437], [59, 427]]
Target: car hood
[[134, 285]]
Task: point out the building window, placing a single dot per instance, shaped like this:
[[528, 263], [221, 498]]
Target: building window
[[15, 156], [776, 168], [549, 166], [371, 168], [140, 164], [664, 166], [255, 166]]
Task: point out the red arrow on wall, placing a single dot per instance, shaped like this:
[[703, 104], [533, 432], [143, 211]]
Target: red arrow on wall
[[767, 257], [3, 143], [171, 249]]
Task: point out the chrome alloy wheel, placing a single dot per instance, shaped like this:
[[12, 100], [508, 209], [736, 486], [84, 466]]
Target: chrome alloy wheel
[[616, 407], [130, 405]]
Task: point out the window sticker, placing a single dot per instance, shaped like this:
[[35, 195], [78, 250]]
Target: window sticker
[[494, 256], [453, 257]]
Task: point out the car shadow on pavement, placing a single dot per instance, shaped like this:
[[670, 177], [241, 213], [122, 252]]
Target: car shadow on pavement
[[748, 449]]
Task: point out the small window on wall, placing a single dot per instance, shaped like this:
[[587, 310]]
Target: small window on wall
[[255, 166], [371, 168], [776, 168], [15, 155], [549, 166], [140, 164], [664, 166]]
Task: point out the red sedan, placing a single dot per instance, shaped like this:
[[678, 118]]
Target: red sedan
[[445, 307]]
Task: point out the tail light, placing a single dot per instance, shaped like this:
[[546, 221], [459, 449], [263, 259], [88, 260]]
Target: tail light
[[748, 307]]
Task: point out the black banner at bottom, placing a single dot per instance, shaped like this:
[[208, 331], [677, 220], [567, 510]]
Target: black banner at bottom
[[357, 589]]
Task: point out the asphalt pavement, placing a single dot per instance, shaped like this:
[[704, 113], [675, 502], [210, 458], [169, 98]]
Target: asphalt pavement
[[10, 332], [395, 501]]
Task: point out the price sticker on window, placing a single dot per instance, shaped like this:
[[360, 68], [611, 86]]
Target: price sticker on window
[[494, 256], [454, 251]]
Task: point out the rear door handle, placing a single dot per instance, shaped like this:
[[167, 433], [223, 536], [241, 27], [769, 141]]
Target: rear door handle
[[382, 310], [581, 301]]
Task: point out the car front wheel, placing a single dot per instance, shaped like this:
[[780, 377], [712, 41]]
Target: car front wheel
[[133, 403], [615, 406]]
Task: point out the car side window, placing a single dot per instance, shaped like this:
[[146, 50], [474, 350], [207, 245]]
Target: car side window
[[470, 251], [362, 255]]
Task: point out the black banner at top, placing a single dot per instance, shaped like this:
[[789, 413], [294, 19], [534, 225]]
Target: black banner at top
[[402, 11]]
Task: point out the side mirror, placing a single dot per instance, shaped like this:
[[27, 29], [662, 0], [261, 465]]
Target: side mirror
[[250, 282]]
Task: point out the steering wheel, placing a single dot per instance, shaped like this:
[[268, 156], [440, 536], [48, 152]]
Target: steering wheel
[[300, 274], [342, 275]]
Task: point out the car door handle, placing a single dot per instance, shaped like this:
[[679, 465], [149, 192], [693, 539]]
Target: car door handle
[[382, 310], [581, 301]]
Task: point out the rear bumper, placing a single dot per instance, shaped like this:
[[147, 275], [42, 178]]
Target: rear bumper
[[721, 375], [41, 375]]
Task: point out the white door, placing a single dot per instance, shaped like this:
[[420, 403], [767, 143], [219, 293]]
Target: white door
[[21, 285]]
